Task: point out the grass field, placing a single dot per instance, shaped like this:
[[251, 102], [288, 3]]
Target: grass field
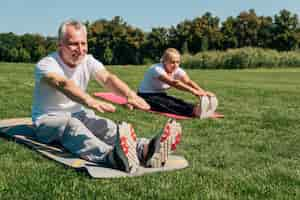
[[253, 153]]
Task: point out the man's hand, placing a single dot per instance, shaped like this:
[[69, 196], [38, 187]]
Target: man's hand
[[133, 100], [100, 106]]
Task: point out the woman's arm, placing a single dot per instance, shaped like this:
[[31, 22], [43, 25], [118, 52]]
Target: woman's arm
[[178, 84], [186, 79]]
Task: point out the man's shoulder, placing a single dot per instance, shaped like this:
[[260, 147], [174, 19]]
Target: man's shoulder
[[50, 59], [90, 59], [92, 63]]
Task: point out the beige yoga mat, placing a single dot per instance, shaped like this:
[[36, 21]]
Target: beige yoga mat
[[21, 131]]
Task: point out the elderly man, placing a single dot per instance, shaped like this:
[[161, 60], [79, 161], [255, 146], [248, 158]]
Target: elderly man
[[62, 111]]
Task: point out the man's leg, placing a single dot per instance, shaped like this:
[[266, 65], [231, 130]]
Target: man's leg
[[103, 128], [120, 136], [155, 153], [124, 155], [106, 130], [73, 135]]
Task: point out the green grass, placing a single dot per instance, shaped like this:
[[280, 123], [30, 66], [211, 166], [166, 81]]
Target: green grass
[[253, 153]]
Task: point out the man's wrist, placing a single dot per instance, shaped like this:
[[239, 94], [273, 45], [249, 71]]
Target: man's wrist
[[129, 95], [88, 100]]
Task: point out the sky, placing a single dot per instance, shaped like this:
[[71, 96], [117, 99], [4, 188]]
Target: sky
[[44, 17]]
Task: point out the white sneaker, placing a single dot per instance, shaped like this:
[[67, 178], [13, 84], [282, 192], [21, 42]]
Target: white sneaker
[[213, 104], [204, 107]]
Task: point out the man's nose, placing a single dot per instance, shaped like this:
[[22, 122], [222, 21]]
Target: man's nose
[[81, 48]]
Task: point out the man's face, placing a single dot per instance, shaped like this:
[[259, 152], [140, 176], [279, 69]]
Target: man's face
[[172, 63], [73, 47]]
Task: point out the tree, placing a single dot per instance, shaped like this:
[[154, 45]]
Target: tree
[[156, 42], [180, 36], [246, 28], [108, 56], [9, 43], [124, 41], [264, 34], [285, 31], [203, 33], [23, 55], [35, 44], [229, 39]]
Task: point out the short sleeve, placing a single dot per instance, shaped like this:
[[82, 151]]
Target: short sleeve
[[94, 65], [179, 73], [46, 66], [158, 71]]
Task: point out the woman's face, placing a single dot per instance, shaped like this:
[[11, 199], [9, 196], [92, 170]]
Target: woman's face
[[172, 63]]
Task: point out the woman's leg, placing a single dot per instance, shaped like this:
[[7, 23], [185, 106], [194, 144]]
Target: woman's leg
[[164, 103]]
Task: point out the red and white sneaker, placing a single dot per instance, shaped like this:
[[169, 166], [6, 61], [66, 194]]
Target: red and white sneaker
[[163, 144], [124, 156]]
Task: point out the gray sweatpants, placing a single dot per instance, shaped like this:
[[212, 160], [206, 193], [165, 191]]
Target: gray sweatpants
[[84, 134]]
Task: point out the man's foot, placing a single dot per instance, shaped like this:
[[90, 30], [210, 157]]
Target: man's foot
[[162, 145], [123, 155]]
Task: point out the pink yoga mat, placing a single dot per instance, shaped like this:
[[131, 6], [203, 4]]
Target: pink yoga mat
[[113, 98]]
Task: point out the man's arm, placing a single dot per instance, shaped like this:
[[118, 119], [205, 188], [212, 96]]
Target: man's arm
[[114, 84], [71, 90]]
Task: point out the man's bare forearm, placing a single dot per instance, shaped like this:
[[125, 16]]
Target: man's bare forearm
[[117, 86], [70, 89]]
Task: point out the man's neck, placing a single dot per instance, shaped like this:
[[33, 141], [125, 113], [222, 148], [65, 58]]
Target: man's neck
[[70, 65]]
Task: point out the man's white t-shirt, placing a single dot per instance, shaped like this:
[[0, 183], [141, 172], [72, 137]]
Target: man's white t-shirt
[[47, 99], [151, 83]]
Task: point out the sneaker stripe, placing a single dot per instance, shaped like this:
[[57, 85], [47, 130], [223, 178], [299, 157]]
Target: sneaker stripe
[[128, 143], [169, 139]]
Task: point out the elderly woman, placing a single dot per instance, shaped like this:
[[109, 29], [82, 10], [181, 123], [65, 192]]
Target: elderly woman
[[167, 74]]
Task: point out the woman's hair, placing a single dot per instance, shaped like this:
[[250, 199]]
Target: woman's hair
[[71, 22], [169, 53]]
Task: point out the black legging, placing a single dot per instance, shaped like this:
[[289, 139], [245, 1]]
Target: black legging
[[164, 103]]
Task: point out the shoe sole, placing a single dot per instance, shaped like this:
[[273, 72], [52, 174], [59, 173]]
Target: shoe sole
[[213, 104], [127, 139], [204, 103], [169, 139]]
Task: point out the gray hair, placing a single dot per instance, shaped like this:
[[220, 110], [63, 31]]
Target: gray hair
[[71, 22]]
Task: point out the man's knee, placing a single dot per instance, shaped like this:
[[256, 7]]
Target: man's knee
[[49, 129]]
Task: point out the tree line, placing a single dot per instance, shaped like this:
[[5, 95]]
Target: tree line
[[116, 42]]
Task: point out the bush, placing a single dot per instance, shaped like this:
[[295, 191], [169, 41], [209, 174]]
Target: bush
[[148, 61], [241, 58]]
